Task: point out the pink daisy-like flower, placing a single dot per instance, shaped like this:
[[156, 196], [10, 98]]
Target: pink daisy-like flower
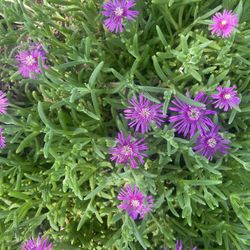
[[134, 202], [28, 60], [116, 11], [3, 102], [37, 244], [2, 139], [190, 118], [224, 23], [211, 144], [143, 113], [226, 98], [179, 246], [128, 150]]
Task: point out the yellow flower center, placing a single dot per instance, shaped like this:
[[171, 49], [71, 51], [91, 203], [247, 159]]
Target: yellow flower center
[[224, 22], [227, 96], [145, 113], [211, 143], [119, 11], [29, 60], [135, 203], [193, 114], [126, 150]]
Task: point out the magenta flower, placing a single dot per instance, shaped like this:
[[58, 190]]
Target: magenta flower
[[37, 244], [190, 118], [179, 246], [3, 102], [143, 113], [211, 144], [224, 23], [28, 60], [134, 202], [2, 139], [116, 11], [226, 98], [128, 150]]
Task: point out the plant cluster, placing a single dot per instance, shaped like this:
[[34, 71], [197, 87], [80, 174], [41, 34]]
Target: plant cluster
[[75, 74]]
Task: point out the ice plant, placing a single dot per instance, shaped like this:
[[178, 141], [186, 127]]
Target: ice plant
[[2, 139], [128, 151], [38, 244], [143, 113], [224, 23], [134, 202], [28, 60], [179, 246], [3, 102], [226, 98], [211, 144], [117, 11], [190, 118]]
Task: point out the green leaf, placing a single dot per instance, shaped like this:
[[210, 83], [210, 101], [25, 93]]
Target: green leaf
[[19, 195], [83, 220], [69, 64], [189, 101], [161, 36], [195, 74], [158, 70], [26, 141], [97, 190], [209, 13], [95, 74], [202, 182], [138, 235]]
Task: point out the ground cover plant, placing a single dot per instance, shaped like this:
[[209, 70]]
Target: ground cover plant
[[124, 124]]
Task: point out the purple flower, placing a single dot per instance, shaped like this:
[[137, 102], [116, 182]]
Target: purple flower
[[211, 143], [226, 98], [128, 150], [2, 139], [134, 202], [38, 244], [3, 102], [116, 11], [191, 118], [28, 60], [224, 23], [179, 246], [143, 113]]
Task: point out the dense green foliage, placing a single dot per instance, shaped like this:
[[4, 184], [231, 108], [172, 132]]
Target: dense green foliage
[[56, 177]]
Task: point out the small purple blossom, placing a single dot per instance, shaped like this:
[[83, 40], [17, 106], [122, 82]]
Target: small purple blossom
[[190, 118], [28, 60], [226, 99], [179, 246], [143, 113], [134, 202], [128, 150], [2, 139], [211, 144], [224, 23], [116, 11], [3, 102], [37, 244]]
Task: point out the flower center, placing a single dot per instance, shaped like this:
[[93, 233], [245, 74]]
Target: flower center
[[119, 11], [29, 60], [126, 150], [211, 143], [224, 22], [145, 113], [135, 203], [194, 114], [227, 96]]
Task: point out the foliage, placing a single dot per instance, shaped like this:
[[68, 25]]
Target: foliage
[[56, 176]]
